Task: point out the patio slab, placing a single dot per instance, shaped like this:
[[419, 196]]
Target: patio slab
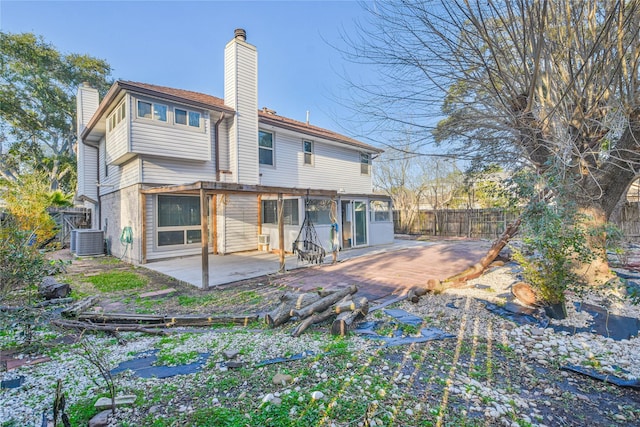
[[378, 271]]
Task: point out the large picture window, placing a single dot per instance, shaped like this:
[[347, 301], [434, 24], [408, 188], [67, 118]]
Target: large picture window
[[290, 215], [380, 210], [265, 147], [319, 211], [178, 220]]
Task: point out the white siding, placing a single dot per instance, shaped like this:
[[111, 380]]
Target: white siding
[[241, 93], [164, 171], [87, 171], [223, 145], [334, 167], [156, 139], [240, 223], [87, 101], [118, 138]]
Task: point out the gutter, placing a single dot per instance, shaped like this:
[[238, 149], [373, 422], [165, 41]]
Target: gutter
[[217, 142]]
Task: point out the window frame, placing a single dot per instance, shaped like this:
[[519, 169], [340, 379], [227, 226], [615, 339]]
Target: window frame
[[116, 117], [186, 229], [373, 212], [187, 117], [365, 164], [271, 149], [152, 111], [319, 211], [291, 214], [308, 154]]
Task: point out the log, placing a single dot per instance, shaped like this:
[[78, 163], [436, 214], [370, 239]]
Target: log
[[478, 268], [186, 320], [310, 320], [53, 302], [50, 288], [170, 320], [361, 304], [279, 315], [79, 306], [74, 324], [324, 303], [344, 321], [300, 300]]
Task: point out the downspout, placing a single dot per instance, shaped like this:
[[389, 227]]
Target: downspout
[[217, 143]]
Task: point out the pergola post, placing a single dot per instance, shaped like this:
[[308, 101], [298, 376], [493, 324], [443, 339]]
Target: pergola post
[[204, 231], [281, 232]]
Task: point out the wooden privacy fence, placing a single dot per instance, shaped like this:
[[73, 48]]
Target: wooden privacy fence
[[474, 223], [68, 219], [490, 223]]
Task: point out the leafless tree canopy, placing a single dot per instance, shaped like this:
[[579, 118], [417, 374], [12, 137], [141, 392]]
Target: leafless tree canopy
[[554, 83]]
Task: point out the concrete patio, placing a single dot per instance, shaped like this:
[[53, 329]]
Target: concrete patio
[[378, 271]]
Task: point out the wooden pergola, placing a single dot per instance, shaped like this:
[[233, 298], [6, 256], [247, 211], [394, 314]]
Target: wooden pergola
[[213, 189]]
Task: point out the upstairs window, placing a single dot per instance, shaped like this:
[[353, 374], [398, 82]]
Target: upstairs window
[[153, 111], [187, 118], [365, 164], [307, 149], [116, 117], [265, 148]]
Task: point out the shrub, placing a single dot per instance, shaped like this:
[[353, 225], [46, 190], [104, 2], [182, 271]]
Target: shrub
[[21, 264]]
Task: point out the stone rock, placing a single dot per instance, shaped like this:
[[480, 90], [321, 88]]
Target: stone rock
[[230, 354], [282, 379], [268, 398], [317, 395], [154, 409], [233, 364], [105, 402], [101, 419]]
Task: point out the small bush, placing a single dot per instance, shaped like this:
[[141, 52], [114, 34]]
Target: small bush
[[21, 264]]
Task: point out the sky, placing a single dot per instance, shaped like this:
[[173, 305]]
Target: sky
[[180, 44]]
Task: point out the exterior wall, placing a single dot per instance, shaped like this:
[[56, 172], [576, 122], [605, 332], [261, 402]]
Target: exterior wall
[[334, 168], [119, 176], [156, 170], [380, 233], [169, 140], [239, 216], [118, 137], [87, 171], [121, 209], [87, 101], [241, 93]]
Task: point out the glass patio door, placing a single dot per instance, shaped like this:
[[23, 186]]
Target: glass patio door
[[360, 222]]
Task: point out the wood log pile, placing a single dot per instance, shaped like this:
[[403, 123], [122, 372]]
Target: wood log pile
[[306, 308], [315, 307]]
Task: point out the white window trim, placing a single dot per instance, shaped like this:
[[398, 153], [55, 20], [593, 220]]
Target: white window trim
[[184, 229], [273, 149], [187, 111], [368, 163], [310, 153]]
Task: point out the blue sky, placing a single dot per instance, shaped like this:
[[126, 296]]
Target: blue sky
[[180, 44]]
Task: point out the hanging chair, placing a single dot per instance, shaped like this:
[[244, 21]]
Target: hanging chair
[[307, 244]]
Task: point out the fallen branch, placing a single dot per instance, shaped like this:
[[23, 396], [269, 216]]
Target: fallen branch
[[79, 306], [344, 321], [85, 326], [315, 318], [478, 268]]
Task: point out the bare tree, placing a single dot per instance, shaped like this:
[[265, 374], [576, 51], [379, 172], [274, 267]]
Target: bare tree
[[553, 84]]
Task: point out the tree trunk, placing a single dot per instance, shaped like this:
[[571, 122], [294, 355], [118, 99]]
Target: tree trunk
[[597, 271]]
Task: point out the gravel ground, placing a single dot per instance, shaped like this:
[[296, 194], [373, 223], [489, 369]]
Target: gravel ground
[[493, 372]]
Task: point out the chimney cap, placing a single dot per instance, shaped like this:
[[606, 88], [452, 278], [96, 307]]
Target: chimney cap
[[240, 34]]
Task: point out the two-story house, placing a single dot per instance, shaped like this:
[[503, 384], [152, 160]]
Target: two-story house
[[170, 172]]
